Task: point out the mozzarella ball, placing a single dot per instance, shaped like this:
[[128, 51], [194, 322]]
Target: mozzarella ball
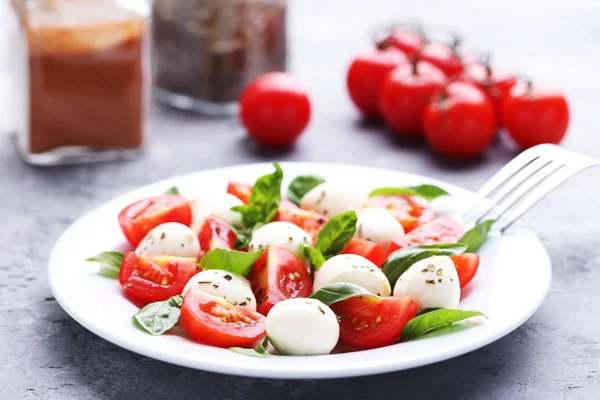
[[302, 327], [355, 269], [379, 226], [217, 282], [331, 200], [279, 233], [218, 205], [170, 239], [431, 283]]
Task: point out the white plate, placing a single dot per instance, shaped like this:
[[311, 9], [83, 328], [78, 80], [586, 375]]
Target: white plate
[[512, 281]]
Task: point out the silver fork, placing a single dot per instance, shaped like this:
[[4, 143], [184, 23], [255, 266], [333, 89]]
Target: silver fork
[[523, 182]]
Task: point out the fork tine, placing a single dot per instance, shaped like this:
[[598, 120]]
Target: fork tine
[[512, 183], [508, 171], [545, 186]]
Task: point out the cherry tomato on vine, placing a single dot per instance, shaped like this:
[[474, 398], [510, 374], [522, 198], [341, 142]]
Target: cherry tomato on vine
[[365, 75], [460, 121], [496, 82], [535, 114], [405, 92], [446, 58], [409, 41], [275, 109]]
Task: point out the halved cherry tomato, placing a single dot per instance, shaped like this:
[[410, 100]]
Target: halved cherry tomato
[[155, 278], [278, 275], [240, 190], [441, 230], [369, 322], [466, 266], [141, 217], [216, 234], [309, 221], [410, 211], [285, 203], [216, 322], [367, 249]]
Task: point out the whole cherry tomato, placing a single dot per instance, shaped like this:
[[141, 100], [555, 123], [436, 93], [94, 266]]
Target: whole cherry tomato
[[447, 58], [366, 73], [275, 109], [408, 40], [460, 121], [405, 92], [535, 114]]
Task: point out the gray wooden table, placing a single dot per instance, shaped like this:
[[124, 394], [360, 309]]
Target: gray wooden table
[[554, 355]]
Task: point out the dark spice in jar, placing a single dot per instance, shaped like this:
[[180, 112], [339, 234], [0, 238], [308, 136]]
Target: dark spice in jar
[[210, 49]]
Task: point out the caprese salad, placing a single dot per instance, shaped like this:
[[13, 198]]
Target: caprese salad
[[325, 268]]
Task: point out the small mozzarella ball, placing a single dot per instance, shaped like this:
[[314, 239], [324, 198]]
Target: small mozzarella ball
[[218, 205], [331, 200], [279, 233], [302, 327], [379, 226], [224, 284], [355, 269], [170, 239], [431, 283]]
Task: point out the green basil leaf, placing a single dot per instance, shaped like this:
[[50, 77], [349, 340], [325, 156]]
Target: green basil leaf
[[173, 190], [336, 233], [475, 237], [426, 310], [259, 351], [243, 238], [429, 192], [237, 262], [401, 260], [314, 256], [157, 318], [302, 185], [111, 263], [339, 291], [264, 200], [435, 320]]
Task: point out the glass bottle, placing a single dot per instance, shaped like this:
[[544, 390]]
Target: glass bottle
[[206, 51], [83, 79]]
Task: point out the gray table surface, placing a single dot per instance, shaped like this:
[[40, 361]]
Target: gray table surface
[[555, 355]]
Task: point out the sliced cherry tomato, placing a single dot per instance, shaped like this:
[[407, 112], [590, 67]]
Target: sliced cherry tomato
[[285, 203], [216, 234], [441, 230], [410, 211], [275, 109], [155, 278], [405, 92], [367, 249], [366, 74], [460, 121], [309, 221], [370, 322], [216, 322], [141, 217], [446, 58], [534, 114], [409, 41], [466, 266], [278, 275], [240, 190]]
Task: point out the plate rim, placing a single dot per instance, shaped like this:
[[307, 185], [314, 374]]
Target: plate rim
[[349, 371]]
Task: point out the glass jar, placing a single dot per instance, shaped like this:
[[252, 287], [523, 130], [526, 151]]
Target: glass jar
[[206, 51], [83, 79]]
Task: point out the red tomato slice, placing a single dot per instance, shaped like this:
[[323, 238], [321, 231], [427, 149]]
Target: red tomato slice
[[141, 217], [155, 278], [216, 322], [367, 249], [466, 266], [410, 211], [309, 221], [240, 190], [369, 322], [216, 234], [441, 230], [278, 275]]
